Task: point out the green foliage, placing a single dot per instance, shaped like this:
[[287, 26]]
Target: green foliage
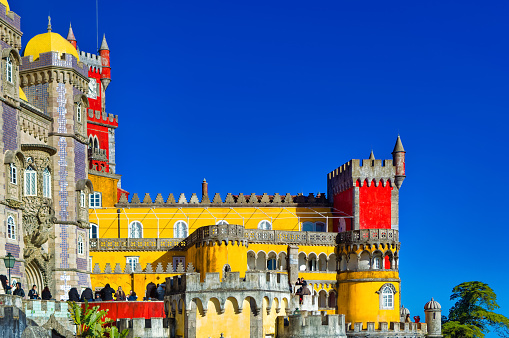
[[90, 323], [472, 315]]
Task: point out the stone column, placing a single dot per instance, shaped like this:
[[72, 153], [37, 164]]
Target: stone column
[[293, 263]]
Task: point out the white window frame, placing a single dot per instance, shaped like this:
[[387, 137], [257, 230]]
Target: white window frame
[[133, 261], [263, 225], [387, 299], [30, 182], [180, 229], [78, 112], [83, 200], [46, 183], [222, 222], [13, 171], [8, 69], [81, 245], [377, 263], [92, 226], [11, 228], [90, 263], [132, 233], [95, 200]]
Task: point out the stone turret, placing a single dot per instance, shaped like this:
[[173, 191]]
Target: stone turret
[[398, 159], [71, 38], [433, 312], [104, 51]]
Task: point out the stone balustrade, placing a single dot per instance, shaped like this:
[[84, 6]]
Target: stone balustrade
[[369, 235]]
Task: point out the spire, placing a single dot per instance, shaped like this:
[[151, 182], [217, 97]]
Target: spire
[[398, 148], [70, 35], [104, 44], [372, 156], [49, 24]]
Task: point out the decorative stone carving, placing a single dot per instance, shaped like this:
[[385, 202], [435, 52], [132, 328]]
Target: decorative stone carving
[[169, 268], [171, 199], [180, 267], [135, 199], [159, 268], [147, 199], [159, 199]]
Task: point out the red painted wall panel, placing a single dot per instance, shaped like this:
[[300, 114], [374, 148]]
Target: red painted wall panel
[[375, 206], [344, 202]]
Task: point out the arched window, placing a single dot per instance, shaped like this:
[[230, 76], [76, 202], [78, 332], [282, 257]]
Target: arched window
[[221, 222], [377, 263], [332, 300], [265, 225], [11, 228], [386, 293], [78, 112], [96, 143], [90, 142], [13, 173], [46, 183], [271, 261], [80, 245], [30, 182], [135, 230], [180, 229], [94, 230], [312, 262], [8, 69], [227, 268]]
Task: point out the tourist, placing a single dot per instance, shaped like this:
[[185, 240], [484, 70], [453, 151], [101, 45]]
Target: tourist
[[132, 296], [151, 291], [74, 296], [46, 294], [5, 284], [98, 297], [19, 291], [107, 293], [87, 295], [160, 292], [32, 294], [120, 294]]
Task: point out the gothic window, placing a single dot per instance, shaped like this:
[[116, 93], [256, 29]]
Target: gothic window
[[46, 183], [81, 249], [265, 225], [376, 263], [332, 300], [78, 112], [8, 69], [222, 222], [11, 228], [94, 230], [95, 200], [133, 262], [13, 174], [180, 229], [30, 182], [96, 143], [135, 230], [90, 142], [386, 294]]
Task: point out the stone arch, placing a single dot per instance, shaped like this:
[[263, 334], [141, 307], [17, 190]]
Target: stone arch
[[251, 260], [352, 261], [322, 262], [35, 276], [82, 184], [261, 260], [322, 299], [333, 299], [364, 261], [377, 260], [302, 261], [271, 261], [343, 263], [312, 259], [332, 263], [282, 261], [235, 302], [13, 52]]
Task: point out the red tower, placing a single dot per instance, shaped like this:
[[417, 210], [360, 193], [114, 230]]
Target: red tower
[[368, 190]]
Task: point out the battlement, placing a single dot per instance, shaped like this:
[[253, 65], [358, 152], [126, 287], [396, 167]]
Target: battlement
[[93, 61], [40, 311], [230, 200], [311, 326], [52, 59], [365, 171], [12, 20], [369, 236], [386, 329], [146, 328], [190, 282], [102, 117]]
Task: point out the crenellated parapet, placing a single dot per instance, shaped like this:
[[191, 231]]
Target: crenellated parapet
[[188, 291], [369, 171], [311, 326], [384, 329], [230, 200], [10, 27], [54, 67], [93, 61], [146, 328]]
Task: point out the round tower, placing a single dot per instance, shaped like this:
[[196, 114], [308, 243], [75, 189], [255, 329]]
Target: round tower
[[398, 160], [104, 51], [433, 312], [71, 38]]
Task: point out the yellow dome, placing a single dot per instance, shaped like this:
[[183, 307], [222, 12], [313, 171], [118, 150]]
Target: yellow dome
[[49, 42], [6, 4], [22, 94]]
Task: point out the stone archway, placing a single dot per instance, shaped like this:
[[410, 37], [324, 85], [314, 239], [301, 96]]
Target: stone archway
[[35, 276]]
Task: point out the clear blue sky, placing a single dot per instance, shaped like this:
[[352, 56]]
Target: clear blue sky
[[264, 96]]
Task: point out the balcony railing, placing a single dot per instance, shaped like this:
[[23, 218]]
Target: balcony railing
[[97, 154]]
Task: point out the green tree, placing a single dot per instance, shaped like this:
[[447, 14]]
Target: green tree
[[472, 315]]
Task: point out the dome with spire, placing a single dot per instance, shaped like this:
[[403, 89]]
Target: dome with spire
[[6, 4], [49, 42], [432, 305]]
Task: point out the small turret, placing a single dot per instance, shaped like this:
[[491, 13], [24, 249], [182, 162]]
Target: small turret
[[104, 51], [71, 38], [433, 312], [398, 160], [371, 156], [204, 189]]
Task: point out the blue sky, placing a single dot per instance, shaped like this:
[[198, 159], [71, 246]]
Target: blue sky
[[263, 96]]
